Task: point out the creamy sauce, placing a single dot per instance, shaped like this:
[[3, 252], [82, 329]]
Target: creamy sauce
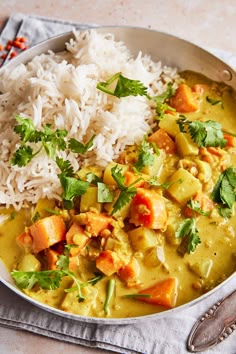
[[217, 248]]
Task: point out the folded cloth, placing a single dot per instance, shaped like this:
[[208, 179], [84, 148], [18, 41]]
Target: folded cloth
[[167, 335]]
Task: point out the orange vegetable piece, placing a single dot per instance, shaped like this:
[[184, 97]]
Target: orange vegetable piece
[[163, 293], [108, 262], [184, 100], [96, 222], [230, 140], [205, 204], [131, 177], [46, 232], [1, 47], [130, 273], [52, 258], [163, 141], [148, 209]]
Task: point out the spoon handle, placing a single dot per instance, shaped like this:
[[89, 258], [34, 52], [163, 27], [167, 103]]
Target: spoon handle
[[214, 326]]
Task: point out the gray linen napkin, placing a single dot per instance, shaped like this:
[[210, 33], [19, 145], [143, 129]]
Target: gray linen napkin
[[163, 336]]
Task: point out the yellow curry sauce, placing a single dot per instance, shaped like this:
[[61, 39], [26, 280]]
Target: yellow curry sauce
[[157, 253]]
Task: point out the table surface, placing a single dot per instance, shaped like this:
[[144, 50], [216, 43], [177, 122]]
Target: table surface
[[205, 23]]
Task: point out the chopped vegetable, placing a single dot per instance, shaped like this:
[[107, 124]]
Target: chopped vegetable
[[109, 295], [145, 155], [130, 273], [163, 293], [46, 232], [108, 262], [148, 209], [95, 223], [184, 100], [163, 141]]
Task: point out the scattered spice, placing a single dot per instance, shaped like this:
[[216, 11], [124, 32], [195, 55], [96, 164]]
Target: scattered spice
[[19, 43]]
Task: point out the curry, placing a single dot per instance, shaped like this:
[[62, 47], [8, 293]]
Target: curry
[[153, 230]]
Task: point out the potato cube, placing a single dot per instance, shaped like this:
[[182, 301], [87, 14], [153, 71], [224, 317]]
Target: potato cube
[[107, 177], [142, 238], [202, 268], [155, 168], [89, 200], [168, 123], [185, 145], [154, 256], [185, 186]]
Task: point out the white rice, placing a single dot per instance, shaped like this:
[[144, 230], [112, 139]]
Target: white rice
[[60, 89]]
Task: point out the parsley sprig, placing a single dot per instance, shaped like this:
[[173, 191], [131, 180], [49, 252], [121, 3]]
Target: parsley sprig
[[187, 229], [204, 134], [51, 279], [224, 192]]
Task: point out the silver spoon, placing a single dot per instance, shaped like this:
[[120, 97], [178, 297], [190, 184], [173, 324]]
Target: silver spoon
[[214, 326]]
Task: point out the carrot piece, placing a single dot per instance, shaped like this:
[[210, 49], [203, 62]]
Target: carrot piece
[[76, 235], [1, 47], [108, 262], [46, 232], [163, 141], [52, 258], [130, 273], [216, 151], [230, 140], [95, 223], [183, 100], [205, 204], [148, 209], [131, 177], [163, 293]]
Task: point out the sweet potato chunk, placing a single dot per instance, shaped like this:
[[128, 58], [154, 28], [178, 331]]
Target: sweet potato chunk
[[163, 293], [46, 232], [148, 209], [184, 100], [163, 141], [108, 262]]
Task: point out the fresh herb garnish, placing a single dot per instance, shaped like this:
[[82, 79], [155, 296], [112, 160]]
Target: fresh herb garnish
[[93, 179], [214, 102], [23, 155], [224, 192], [204, 134], [161, 105], [36, 217], [51, 279], [126, 192], [79, 148], [124, 86], [109, 295], [195, 206], [134, 296], [72, 188], [187, 228], [145, 155]]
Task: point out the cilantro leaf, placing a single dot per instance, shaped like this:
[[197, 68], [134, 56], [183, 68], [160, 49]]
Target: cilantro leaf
[[204, 134], [105, 195], [93, 179], [195, 206], [65, 166], [161, 105], [23, 156], [124, 87], [26, 130], [79, 148], [224, 191], [47, 279], [145, 155], [126, 192], [72, 188], [187, 229]]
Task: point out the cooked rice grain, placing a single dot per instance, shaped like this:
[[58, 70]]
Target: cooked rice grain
[[60, 89]]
